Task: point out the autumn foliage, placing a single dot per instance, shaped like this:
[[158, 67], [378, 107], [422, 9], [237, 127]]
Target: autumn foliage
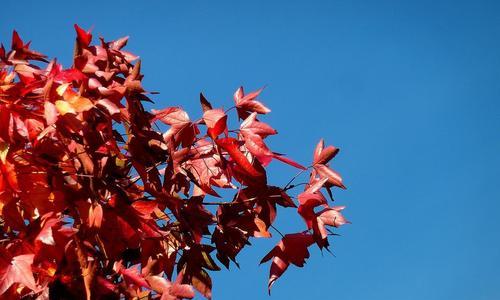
[[97, 203]]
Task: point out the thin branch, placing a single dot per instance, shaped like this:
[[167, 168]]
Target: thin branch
[[272, 226], [294, 186], [295, 177]]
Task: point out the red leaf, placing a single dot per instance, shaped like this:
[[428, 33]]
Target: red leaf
[[205, 105], [215, 119], [255, 144], [70, 75], [145, 208], [231, 146], [83, 37], [17, 43], [291, 249], [289, 161]]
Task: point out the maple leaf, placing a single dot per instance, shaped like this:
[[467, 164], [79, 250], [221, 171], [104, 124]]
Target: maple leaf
[[215, 119], [131, 275], [205, 105], [96, 202], [321, 158], [246, 104], [330, 216], [252, 126], [333, 177], [291, 249], [83, 37], [193, 263], [182, 130], [171, 290], [16, 269], [254, 132], [231, 145], [323, 155]]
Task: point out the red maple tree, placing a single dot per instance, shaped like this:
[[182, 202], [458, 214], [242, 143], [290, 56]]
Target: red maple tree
[[96, 203]]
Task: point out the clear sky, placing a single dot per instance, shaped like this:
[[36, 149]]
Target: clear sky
[[409, 90]]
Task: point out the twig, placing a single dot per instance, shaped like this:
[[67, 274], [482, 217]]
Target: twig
[[295, 177], [272, 226]]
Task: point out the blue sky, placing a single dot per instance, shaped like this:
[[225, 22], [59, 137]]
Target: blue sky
[[409, 90]]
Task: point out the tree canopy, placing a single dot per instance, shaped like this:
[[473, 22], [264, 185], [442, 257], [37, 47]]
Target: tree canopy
[[97, 202]]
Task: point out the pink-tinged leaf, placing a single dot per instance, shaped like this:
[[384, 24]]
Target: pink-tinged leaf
[[323, 155], [94, 84], [329, 216], [316, 184], [254, 106], [158, 284], [109, 105], [250, 96], [332, 216], [327, 154], [50, 113], [318, 149], [311, 199], [182, 291], [173, 116], [169, 290], [247, 103], [289, 161], [129, 57], [46, 235], [212, 116], [251, 125], [119, 43], [131, 275], [16, 269], [21, 128], [238, 95], [334, 178]]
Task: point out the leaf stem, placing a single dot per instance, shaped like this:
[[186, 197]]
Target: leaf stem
[[295, 177]]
